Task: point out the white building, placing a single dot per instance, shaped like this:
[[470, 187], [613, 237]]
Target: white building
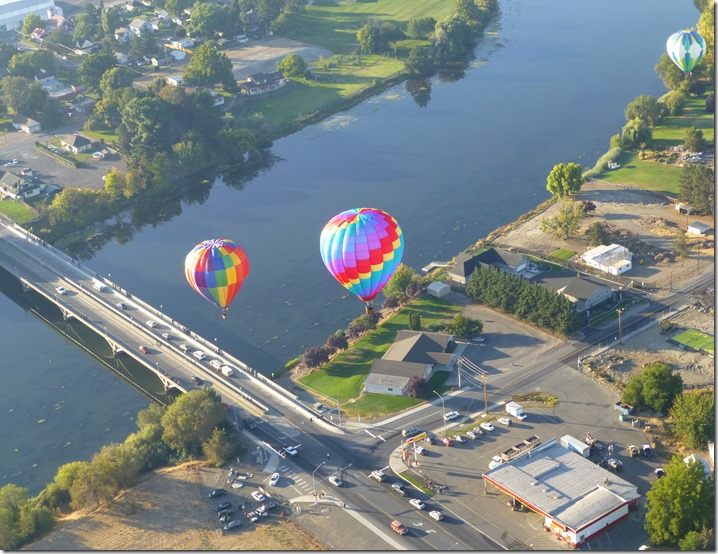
[[698, 228], [438, 289], [612, 258], [13, 12]]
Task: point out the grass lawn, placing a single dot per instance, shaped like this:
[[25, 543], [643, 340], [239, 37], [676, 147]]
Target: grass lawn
[[18, 212], [342, 378], [376, 405], [696, 340], [334, 25], [562, 254]]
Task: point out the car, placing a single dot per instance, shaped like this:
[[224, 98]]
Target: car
[[615, 464], [418, 504], [61, 290], [399, 488], [254, 515], [144, 349], [472, 435], [646, 449], [495, 462], [166, 336], [459, 438], [421, 450], [478, 339], [199, 354], [226, 517], [236, 484], [97, 155], [292, 451], [151, 323], [334, 480], [232, 524], [505, 421], [633, 450], [216, 493], [398, 527], [486, 426], [196, 380], [216, 364], [222, 506], [244, 476], [273, 479], [271, 505], [478, 430], [429, 439], [258, 496], [447, 441], [184, 347], [660, 472], [450, 416], [436, 514], [122, 305], [410, 432], [12, 163]]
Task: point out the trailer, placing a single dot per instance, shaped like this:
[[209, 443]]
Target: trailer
[[624, 408], [576, 445], [520, 448]]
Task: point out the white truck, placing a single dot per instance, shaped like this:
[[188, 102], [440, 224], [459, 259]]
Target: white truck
[[576, 445], [227, 370], [515, 409]]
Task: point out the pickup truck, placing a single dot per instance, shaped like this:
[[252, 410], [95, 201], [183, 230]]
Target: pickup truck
[[378, 475], [398, 527]]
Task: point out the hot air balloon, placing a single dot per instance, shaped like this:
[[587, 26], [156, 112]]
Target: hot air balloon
[[362, 249], [686, 49], [216, 269]]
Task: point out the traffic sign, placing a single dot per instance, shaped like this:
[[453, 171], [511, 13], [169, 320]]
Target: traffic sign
[[418, 437]]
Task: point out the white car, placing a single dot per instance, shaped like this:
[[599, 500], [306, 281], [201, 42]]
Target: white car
[[258, 496], [97, 155], [334, 480], [450, 416], [486, 426], [274, 479], [505, 421], [478, 339], [151, 323], [436, 514], [459, 438], [199, 354], [421, 450], [12, 163], [495, 462], [166, 336], [61, 290], [290, 450], [418, 504], [184, 347]]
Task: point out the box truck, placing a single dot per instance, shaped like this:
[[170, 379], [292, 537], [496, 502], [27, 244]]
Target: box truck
[[515, 410], [576, 445]]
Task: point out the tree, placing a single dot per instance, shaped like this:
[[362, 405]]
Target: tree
[[645, 108], [673, 102], [92, 69], [635, 133], [220, 448], [699, 540], [465, 327], [59, 37], [420, 61], [338, 340], [209, 66], [697, 187], [24, 96], [598, 235], [116, 78], [669, 73], [369, 40], [416, 387], [190, 420], [207, 19], [564, 179], [566, 222], [693, 418], [292, 65], [362, 324], [694, 141], [711, 103], [142, 46], [190, 154], [403, 276], [453, 39], [678, 503], [176, 7], [28, 64], [315, 356], [269, 10], [415, 321], [147, 121], [421, 28], [655, 388], [706, 28], [681, 244], [31, 22]]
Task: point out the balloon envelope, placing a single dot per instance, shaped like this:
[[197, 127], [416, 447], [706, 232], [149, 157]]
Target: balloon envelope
[[216, 269], [362, 249], [685, 48]]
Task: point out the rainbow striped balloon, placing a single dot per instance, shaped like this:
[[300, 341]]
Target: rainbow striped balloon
[[362, 249], [685, 48], [216, 269]]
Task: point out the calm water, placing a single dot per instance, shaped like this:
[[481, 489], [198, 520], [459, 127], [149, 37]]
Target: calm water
[[549, 86]]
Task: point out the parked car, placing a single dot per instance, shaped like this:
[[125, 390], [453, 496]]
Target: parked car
[[232, 524], [646, 449], [418, 504], [459, 438], [12, 163], [258, 496], [216, 493], [478, 339], [472, 435], [660, 472], [447, 441], [196, 380], [222, 506], [429, 439], [144, 349], [271, 505], [495, 462], [199, 354], [410, 432], [486, 426], [421, 450], [436, 514], [273, 479], [61, 290], [450, 416], [226, 517], [633, 450], [334, 480], [505, 421], [478, 430]]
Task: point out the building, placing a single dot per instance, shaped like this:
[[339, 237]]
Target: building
[[698, 228], [17, 187], [259, 83], [577, 498], [413, 354], [584, 291], [504, 260], [13, 13], [174, 80], [140, 27], [122, 34], [26, 124], [76, 144], [438, 289], [613, 259], [684, 209]]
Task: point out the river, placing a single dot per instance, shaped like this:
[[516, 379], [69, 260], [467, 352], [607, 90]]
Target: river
[[549, 84]]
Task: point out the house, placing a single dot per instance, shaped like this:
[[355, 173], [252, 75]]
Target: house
[[17, 187], [140, 27], [26, 124], [84, 47], [122, 34], [160, 23], [132, 5], [39, 35], [584, 292], [259, 83], [438, 289], [685, 209], [58, 22], [174, 80], [577, 498], [162, 61], [217, 98], [698, 228], [612, 258], [76, 143], [182, 43], [54, 88], [413, 354], [121, 57], [177, 56], [464, 264]]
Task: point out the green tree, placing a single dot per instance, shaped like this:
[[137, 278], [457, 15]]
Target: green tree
[[697, 187], [421, 28], [564, 179], [31, 22], [635, 133], [28, 64], [693, 418], [92, 69], [59, 37], [706, 28], [566, 222], [646, 108], [453, 39], [190, 154], [292, 65], [465, 327], [694, 141], [699, 540], [84, 29], [415, 321], [115, 79], [420, 61], [147, 121], [669, 73], [681, 244], [176, 7], [142, 46], [209, 66], [190, 420], [369, 40], [680, 502], [598, 235], [220, 448], [655, 388], [24, 96], [673, 102], [402, 278], [468, 11], [207, 19], [110, 21]]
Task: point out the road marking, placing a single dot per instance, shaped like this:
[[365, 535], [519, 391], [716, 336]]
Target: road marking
[[382, 438], [369, 433]]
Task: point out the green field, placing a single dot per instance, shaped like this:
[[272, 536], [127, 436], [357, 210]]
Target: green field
[[562, 254], [334, 24], [696, 340], [343, 377], [18, 212]]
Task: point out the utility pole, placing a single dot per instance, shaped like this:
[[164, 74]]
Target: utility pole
[[458, 368], [619, 311], [486, 398]]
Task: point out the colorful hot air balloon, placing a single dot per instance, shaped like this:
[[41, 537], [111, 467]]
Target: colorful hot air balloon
[[686, 49], [362, 249], [216, 269]]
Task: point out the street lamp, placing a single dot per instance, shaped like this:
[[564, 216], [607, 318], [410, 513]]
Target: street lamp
[[314, 483], [619, 311], [443, 411]]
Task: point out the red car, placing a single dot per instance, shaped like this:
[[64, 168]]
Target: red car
[[144, 349], [447, 441]]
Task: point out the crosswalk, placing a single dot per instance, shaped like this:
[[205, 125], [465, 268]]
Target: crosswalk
[[299, 482]]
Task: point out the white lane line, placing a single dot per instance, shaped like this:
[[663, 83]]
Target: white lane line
[[382, 438], [369, 433]]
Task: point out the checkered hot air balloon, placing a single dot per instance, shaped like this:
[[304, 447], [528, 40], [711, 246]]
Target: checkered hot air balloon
[[686, 49], [216, 269], [362, 249]]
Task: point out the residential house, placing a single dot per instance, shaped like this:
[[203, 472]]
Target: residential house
[[162, 61], [413, 354], [259, 83], [122, 34], [76, 143], [504, 260], [174, 80], [39, 35], [121, 57], [609, 258], [132, 6], [177, 56], [26, 124], [698, 228], [160, 23], [58, 22], [83, 47], [17, 187], [54, 88], [585, 292], [140, 27], [182, 43]]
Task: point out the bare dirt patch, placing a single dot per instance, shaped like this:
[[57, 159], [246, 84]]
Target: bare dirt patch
[[262, 56], [169, 510]]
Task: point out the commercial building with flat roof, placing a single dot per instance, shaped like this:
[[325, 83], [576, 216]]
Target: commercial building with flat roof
[[13, 13]]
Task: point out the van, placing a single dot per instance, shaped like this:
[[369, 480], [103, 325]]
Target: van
[[99, 286]]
